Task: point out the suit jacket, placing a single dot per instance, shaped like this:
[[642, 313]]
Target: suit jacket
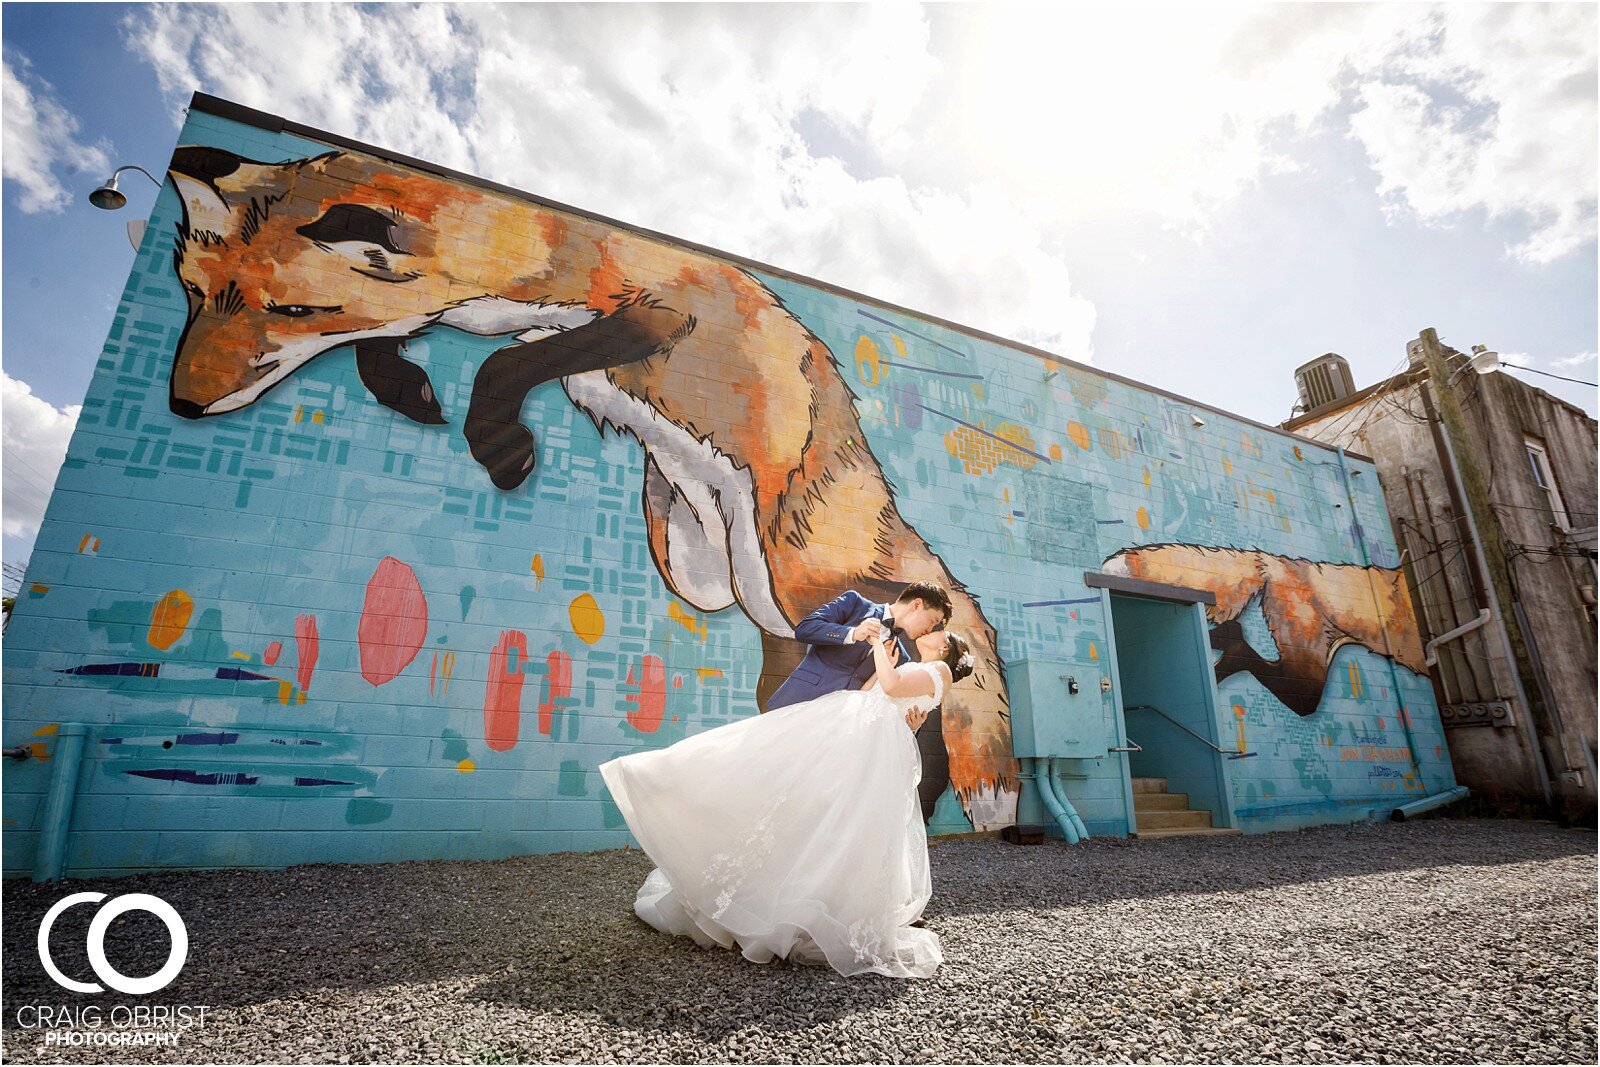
[[830, 663]]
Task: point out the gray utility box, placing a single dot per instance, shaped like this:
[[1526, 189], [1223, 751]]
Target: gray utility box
[[1048, 719]]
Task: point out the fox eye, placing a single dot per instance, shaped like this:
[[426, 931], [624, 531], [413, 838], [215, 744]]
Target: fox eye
[[297, 311]]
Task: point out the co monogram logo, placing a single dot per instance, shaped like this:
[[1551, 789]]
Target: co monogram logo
[[97, 943]]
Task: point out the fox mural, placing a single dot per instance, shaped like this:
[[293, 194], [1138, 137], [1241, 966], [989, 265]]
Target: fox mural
[[768, 498], [1311, 610]]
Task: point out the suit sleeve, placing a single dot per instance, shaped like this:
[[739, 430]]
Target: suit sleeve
[[831, 624]]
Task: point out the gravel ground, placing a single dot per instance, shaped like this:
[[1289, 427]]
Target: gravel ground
[[1432, 941]]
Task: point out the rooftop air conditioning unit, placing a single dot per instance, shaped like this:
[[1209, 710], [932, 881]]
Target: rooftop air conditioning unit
[[1324, 380]]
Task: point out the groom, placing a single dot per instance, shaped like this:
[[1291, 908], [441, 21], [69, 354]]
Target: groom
[[841, 634]]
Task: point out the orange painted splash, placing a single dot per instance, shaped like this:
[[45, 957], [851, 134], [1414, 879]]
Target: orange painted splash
[[693, 623], [170, 618], [394, 621], [557, 686], [1079, 435], [650, 702], [979, 453], [708, 673], [1142, 517], [305, 642], [502, 697], [537, 567]]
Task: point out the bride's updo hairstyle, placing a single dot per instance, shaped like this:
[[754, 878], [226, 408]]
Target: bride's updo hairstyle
[[957, 656]]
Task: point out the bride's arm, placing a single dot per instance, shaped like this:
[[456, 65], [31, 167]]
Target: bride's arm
[[895, 684]]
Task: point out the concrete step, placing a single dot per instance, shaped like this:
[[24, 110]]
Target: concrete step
[[1171, 820], [1188, 831], [1160, 801], [1149, 785]]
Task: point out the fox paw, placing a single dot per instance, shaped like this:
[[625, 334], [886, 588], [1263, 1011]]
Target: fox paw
[[396, 382], [504, 449]]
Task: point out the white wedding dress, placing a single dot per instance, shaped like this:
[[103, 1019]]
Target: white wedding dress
[[797, 834]]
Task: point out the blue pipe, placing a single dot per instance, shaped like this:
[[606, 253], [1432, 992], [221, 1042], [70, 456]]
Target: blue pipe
[[64, 766], [1422, 804], [1060, 790], [1047, 791]]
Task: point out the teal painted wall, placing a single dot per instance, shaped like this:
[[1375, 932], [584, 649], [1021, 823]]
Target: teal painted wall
[[311, 629]]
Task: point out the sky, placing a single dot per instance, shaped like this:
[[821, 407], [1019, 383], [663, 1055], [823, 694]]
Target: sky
[[1197, 197]]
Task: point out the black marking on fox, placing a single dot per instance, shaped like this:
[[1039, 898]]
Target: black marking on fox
[[396, 382], [494, 431], [353, 222]]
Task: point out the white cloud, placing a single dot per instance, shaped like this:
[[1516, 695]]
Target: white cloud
[[41, 146], [590, 106], [1574, 361], [35, 435], [970, 139], [1492, 109]]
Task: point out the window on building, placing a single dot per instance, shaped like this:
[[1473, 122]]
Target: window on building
[[1544, 476]]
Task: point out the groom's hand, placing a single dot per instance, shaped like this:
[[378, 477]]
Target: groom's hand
[[868, 630]]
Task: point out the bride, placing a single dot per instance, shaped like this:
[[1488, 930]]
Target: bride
[[798, 834]]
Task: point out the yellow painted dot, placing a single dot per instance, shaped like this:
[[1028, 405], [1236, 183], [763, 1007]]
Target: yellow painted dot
[[869, 362], [1079, 435], [1094, 653], [170, 618], [1055, 452], [1143, 519], [1227, 466], [1147, 477], [588, 621], [466, 766]]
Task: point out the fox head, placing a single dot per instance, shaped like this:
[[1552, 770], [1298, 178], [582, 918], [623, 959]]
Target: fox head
[[283, 261]]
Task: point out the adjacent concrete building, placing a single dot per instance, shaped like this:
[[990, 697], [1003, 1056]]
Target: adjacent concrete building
[[1490, 483]]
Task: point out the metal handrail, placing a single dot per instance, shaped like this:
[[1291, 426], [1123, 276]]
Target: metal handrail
[[1185, 729]]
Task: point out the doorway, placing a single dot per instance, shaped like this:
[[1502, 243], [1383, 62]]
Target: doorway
[[1166, 697]]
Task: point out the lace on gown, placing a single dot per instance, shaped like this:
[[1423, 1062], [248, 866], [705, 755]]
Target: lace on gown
[[795, 834]]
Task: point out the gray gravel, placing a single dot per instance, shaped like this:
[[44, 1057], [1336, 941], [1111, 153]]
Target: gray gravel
[[1433, 941]]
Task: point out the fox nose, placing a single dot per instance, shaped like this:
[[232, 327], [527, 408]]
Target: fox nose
[[187, 409]]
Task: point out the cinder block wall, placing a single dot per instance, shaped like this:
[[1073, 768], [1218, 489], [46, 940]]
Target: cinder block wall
[[320, 623]]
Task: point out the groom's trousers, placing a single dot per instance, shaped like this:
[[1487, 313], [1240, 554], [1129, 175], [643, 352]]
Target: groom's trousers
[[935, 763]]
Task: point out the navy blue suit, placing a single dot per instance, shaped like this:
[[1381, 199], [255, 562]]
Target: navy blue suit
[[830, 664]]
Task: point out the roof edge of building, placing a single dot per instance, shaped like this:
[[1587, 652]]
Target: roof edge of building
[[233, 112]]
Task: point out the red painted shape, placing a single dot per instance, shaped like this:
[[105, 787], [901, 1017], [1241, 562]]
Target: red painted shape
[[433, 672], [270, 656], [394, 621], [305, 643], [502, 698], [650, 702], [557, 686]]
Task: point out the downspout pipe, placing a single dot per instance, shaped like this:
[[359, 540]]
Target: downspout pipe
[[1432, 649], [1420, 805], [1052, 803], [1360, 533], [1066, 804], [67, 761]]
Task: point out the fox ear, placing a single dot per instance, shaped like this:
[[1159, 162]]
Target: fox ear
[[203, 209], [195, 170]]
